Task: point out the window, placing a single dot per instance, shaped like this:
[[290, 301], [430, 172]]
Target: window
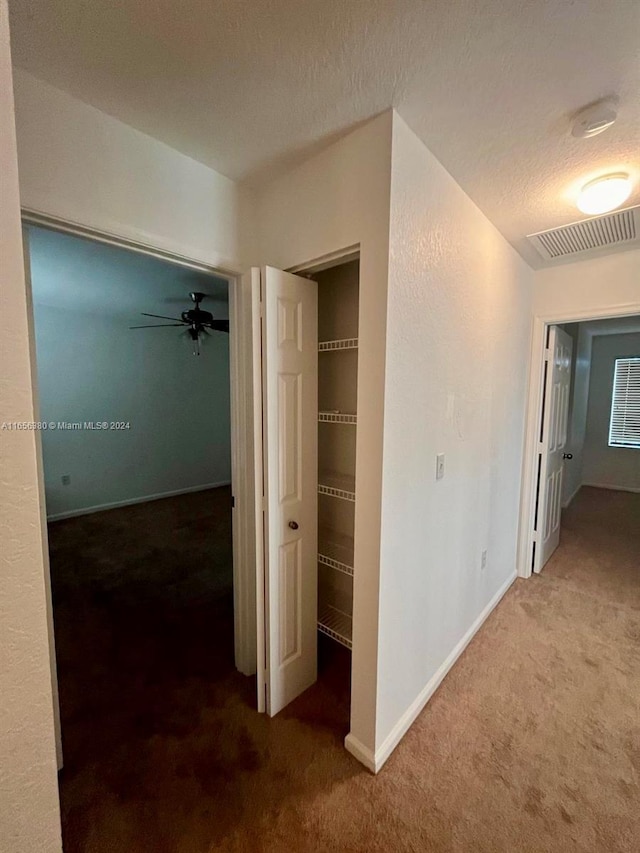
[[624, 427]]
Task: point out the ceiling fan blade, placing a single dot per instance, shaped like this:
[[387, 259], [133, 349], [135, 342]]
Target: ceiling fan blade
[[158, 326], [219, 325], [162, 317]]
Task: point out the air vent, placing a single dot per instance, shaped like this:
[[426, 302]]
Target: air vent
[[600, 232]]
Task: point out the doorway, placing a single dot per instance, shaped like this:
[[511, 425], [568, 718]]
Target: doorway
[[140, 450], [583, 430], [307, 347]]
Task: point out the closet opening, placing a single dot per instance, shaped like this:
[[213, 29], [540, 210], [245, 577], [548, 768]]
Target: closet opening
[[306, 371], [338, 296]]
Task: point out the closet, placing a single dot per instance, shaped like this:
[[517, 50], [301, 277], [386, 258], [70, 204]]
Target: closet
[[305, 431], [338, 293]]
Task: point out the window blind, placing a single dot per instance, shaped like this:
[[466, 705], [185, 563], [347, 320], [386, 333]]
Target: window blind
[[624, 427]]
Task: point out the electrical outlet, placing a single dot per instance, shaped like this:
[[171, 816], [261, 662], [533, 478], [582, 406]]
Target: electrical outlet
[[439, 466], [66, 479], [483, 561]]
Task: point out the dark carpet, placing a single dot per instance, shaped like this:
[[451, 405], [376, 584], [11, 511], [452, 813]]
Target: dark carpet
[[531, 744]]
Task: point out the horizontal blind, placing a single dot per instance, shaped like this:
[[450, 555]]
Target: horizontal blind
[[624, 427]]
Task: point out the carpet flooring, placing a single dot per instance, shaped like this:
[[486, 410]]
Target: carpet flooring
[[532, 743]]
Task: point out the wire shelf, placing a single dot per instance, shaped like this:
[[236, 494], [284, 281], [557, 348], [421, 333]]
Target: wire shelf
[[335, 624], [335, 550], [330, 346], [337, 418], [337, 486]]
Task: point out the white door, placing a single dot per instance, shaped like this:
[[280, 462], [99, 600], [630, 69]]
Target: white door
[[287, 520], [553, 440]]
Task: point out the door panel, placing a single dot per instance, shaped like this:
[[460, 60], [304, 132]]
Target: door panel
[[553, 443], [289, 601], [290, 413], [253, 282]]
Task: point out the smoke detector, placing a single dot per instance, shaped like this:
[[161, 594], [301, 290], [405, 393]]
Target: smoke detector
[[593, 119]]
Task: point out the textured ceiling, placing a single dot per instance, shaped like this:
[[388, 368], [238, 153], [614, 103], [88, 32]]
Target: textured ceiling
[[250, 87], [81, 275]]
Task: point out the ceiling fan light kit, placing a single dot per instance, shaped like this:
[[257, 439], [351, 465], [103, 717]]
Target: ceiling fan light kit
[[196, 320]]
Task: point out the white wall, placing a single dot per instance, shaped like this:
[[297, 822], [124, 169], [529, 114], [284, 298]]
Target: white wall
[[458, 320], [456, 358], [603, 287], [597, 287], [92, 367], [337, 199], [80, 165], [611, 467], [590, 288], [29, 810]]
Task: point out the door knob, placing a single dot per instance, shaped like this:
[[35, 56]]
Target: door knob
[[567, 455], [293, 525]]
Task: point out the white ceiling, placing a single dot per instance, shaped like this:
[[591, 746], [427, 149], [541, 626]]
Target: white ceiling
[[75, 274], [251, 87]]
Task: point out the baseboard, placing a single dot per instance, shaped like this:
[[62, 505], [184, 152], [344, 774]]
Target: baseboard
[[361, 752], [567, 503], [87, 510], [409, 716], [634, 489]]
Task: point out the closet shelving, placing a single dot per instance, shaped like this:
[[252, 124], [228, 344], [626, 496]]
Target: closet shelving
[[335, 550], [335, 485], [338, 297], [335, 624], [337, 418], [342, 343]]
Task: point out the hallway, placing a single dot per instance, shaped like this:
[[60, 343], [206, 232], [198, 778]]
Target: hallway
[[531, 744]]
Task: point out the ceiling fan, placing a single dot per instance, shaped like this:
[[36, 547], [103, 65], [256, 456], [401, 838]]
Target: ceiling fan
[[197, 321]]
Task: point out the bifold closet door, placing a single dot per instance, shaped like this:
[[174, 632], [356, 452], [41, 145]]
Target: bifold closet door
[[289, 346]]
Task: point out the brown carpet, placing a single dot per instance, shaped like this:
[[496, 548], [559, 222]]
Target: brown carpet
[[531, 744]]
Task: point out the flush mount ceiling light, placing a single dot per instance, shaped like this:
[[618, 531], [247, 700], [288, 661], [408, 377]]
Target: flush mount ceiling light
[[604, 194]]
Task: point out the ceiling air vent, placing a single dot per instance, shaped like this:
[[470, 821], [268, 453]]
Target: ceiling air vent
[[599, 232]]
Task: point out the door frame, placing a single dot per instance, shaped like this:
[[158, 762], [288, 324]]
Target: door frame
[[529, 489], [241, 417], [253, 287]]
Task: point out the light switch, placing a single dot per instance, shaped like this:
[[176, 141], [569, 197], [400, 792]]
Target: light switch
[[439, 466]]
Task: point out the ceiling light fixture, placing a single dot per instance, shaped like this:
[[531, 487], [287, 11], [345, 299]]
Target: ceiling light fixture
[[604, 194]]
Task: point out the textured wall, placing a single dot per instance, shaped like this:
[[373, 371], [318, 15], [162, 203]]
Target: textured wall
[[456, 366], [78, 164], [334, 200], [29, 814], [613, 467], [597, 285], [93, 368]]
